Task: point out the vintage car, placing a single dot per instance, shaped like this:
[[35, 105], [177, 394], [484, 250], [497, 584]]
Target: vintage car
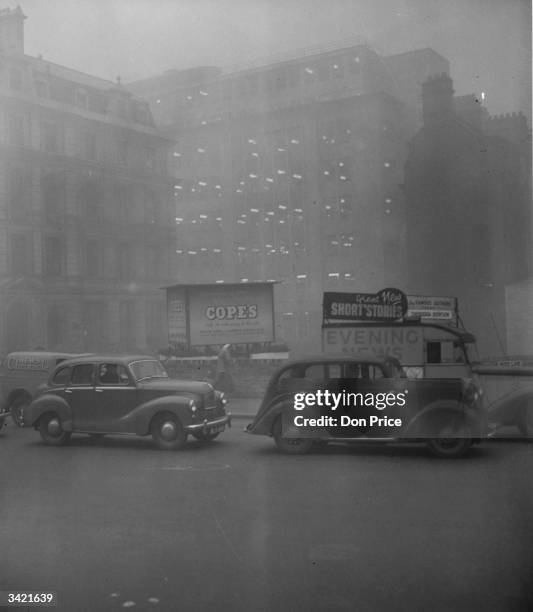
[[125, 395], [331, 398], [21, 373]]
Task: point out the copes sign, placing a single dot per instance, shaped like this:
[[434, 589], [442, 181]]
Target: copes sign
[[385, 305]]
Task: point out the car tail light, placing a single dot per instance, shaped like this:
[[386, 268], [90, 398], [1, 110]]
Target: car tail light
[[192, 405]]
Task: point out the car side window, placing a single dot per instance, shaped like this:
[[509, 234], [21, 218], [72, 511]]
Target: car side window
[[82, 374], [62, 376], [112, 374], [375, 372], [334, 370], [315, 373]]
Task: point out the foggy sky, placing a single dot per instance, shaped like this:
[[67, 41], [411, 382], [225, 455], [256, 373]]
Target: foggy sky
[[488, 42]]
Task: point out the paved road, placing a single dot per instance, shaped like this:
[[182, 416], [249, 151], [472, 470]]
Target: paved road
[[234, 526]]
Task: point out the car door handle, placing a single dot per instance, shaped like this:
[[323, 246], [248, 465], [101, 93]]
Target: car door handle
[[68, 390], [99, 390]]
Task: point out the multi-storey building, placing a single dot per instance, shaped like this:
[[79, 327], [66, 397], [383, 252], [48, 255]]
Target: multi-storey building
[[86, 208], [291, 171], [468, 195]]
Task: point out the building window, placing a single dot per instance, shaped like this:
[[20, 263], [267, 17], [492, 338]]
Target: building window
[[15, 78], [89, 146], [41, 89], [50, 137], [19, 193], [81, 98], [123, 152], [149, 158], [150, 206], [20, 255], [93, 322], [92, 259], [126, 262], [90, 201], [17, 130], [55, 326], [53, 256], [127, 324], [53, 195]]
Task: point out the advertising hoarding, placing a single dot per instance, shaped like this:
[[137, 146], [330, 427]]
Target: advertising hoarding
[[201, 315], [385, 305], [433, 308], [404, 343]]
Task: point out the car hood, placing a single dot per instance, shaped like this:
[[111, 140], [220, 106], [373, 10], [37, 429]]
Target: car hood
[[172, 384]]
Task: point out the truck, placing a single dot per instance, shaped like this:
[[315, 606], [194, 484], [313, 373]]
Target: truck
[[437, 350]]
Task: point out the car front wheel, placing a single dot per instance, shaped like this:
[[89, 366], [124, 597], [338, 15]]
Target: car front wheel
[[452, 440], [168, 432], [51, 430], [290, 446]]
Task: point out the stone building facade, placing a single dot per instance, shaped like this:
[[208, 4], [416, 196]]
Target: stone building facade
[[291, 171], [86, 210], [469, 214]]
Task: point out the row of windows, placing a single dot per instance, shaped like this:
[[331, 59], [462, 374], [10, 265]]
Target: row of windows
[[277, 79], [92, 199], [126, 261], [89, 144], [68, 92]]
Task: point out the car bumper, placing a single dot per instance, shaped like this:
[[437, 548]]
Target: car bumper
[[206, 426]]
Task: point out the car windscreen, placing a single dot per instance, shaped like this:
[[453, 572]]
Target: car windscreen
[[147, 368]]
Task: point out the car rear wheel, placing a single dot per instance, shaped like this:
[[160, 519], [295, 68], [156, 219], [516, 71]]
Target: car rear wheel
[[525, 423], [290, 446], [203, 437], [51, 430], [168, 432], [452, 439]]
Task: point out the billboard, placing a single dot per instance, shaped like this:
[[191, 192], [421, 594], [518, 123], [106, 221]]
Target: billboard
[[404, 343], [200, 315], [433, 308], [385, 305]]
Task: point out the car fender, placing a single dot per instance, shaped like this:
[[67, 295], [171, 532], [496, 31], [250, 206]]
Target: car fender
[[48, 403], [264, 424], [145, 412], [508, 409], [415, 428]]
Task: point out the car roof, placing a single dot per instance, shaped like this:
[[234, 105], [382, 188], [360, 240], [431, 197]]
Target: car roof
[[44, 354], [335, 358], [124, 359]]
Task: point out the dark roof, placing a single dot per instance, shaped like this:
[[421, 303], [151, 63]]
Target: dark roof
[[336, 357], [125, 358]]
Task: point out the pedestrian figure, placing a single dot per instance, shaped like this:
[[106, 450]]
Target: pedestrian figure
[[224, 379]]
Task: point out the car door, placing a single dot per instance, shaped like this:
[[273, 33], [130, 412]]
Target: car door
[[383, 403], [115, 398], [80, 396]]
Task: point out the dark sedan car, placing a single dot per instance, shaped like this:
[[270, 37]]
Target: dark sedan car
[[348, 399], [125, 395]]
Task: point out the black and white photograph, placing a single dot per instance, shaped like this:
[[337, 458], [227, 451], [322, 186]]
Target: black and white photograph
[[266, 305]]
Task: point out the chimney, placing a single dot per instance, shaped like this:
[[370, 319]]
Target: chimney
[[437, 97], [12, 31]]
